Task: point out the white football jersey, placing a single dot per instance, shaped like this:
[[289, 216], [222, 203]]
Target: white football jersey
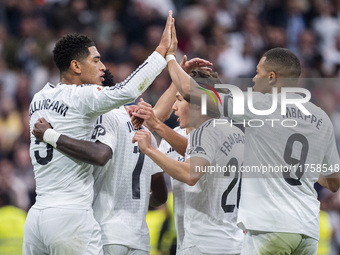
[[211, 204], [178, 188], [72, 110], [122, 186], [289, 151]]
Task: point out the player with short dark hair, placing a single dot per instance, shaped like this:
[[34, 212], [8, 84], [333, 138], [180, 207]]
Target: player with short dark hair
[[279, 210], [61, 221], [71, 47], [283, 62]]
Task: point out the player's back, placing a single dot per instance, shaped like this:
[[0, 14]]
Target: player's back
[[60, 180], [289, 157], [122, 187], [211, 204]]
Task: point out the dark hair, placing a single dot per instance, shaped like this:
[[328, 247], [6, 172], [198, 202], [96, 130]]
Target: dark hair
[[108, 79], [283, 62], [71, 47], [205, 77]]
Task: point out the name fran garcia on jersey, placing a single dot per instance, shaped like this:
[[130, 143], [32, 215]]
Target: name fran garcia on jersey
[[48, 104]]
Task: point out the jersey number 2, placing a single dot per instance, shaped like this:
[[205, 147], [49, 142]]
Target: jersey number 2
[[227, 208], [136, 173]]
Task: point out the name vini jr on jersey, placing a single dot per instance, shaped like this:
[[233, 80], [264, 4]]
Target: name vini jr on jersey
[[46, 104]]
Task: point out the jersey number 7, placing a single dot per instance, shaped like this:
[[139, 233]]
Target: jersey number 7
[[136, 173]]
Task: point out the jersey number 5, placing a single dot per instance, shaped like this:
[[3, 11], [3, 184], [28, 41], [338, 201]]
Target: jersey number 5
[[49, 154], [136, 173]]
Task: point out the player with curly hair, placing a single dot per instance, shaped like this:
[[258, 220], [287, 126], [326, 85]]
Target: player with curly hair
[[61, 221]]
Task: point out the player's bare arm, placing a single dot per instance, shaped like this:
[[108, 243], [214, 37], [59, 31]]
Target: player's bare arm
[[331, 182], [159, 192], [177, 141], [182, 171], [163, 109], [89, 152]]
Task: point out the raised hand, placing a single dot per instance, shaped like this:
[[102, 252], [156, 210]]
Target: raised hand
[[174, 42], [195, 63], [164, 44]]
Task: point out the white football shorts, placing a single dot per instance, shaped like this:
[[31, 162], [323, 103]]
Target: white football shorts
[[56, 231]]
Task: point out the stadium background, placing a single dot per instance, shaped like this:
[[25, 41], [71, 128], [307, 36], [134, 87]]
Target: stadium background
[[232, 34]]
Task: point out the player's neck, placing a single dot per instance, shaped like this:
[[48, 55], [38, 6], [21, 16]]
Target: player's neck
[[69, 79]]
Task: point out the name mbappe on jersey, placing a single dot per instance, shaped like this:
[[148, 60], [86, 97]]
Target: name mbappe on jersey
[[292, 112]]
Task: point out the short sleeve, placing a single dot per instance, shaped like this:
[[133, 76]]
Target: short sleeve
[[106, 130], [203, 142]]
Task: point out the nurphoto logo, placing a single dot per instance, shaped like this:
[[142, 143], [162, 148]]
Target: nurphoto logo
[[239, 104], [239, 100]]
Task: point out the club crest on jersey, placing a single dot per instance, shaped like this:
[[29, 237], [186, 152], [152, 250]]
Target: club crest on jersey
[[197, 150], [98, 131]]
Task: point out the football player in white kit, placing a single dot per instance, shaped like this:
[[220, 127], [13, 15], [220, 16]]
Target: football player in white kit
[[279, 210], [61, 221], [122, 186], [172, 145], [211, 199]]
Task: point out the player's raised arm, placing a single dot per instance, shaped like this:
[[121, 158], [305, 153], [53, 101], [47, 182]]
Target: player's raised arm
[[163, 107], [185, 85], [93, 100], [89, 152]]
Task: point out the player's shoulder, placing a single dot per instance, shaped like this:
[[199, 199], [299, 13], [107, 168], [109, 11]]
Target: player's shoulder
[[319, 113], [118, 113]]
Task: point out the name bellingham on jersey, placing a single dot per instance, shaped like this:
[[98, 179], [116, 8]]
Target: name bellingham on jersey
[[46, 104]]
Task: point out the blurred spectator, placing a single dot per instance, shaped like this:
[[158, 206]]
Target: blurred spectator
[[325, 25], [12, 221], [332, 57], [326, 228], [24, 169], [11, 184], [10, 125], [327, 100]]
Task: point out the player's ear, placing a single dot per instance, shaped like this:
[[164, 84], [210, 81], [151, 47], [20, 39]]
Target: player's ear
[[272, 78], [75, 66]]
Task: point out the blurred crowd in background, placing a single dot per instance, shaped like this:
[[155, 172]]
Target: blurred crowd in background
[[232, 34]]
